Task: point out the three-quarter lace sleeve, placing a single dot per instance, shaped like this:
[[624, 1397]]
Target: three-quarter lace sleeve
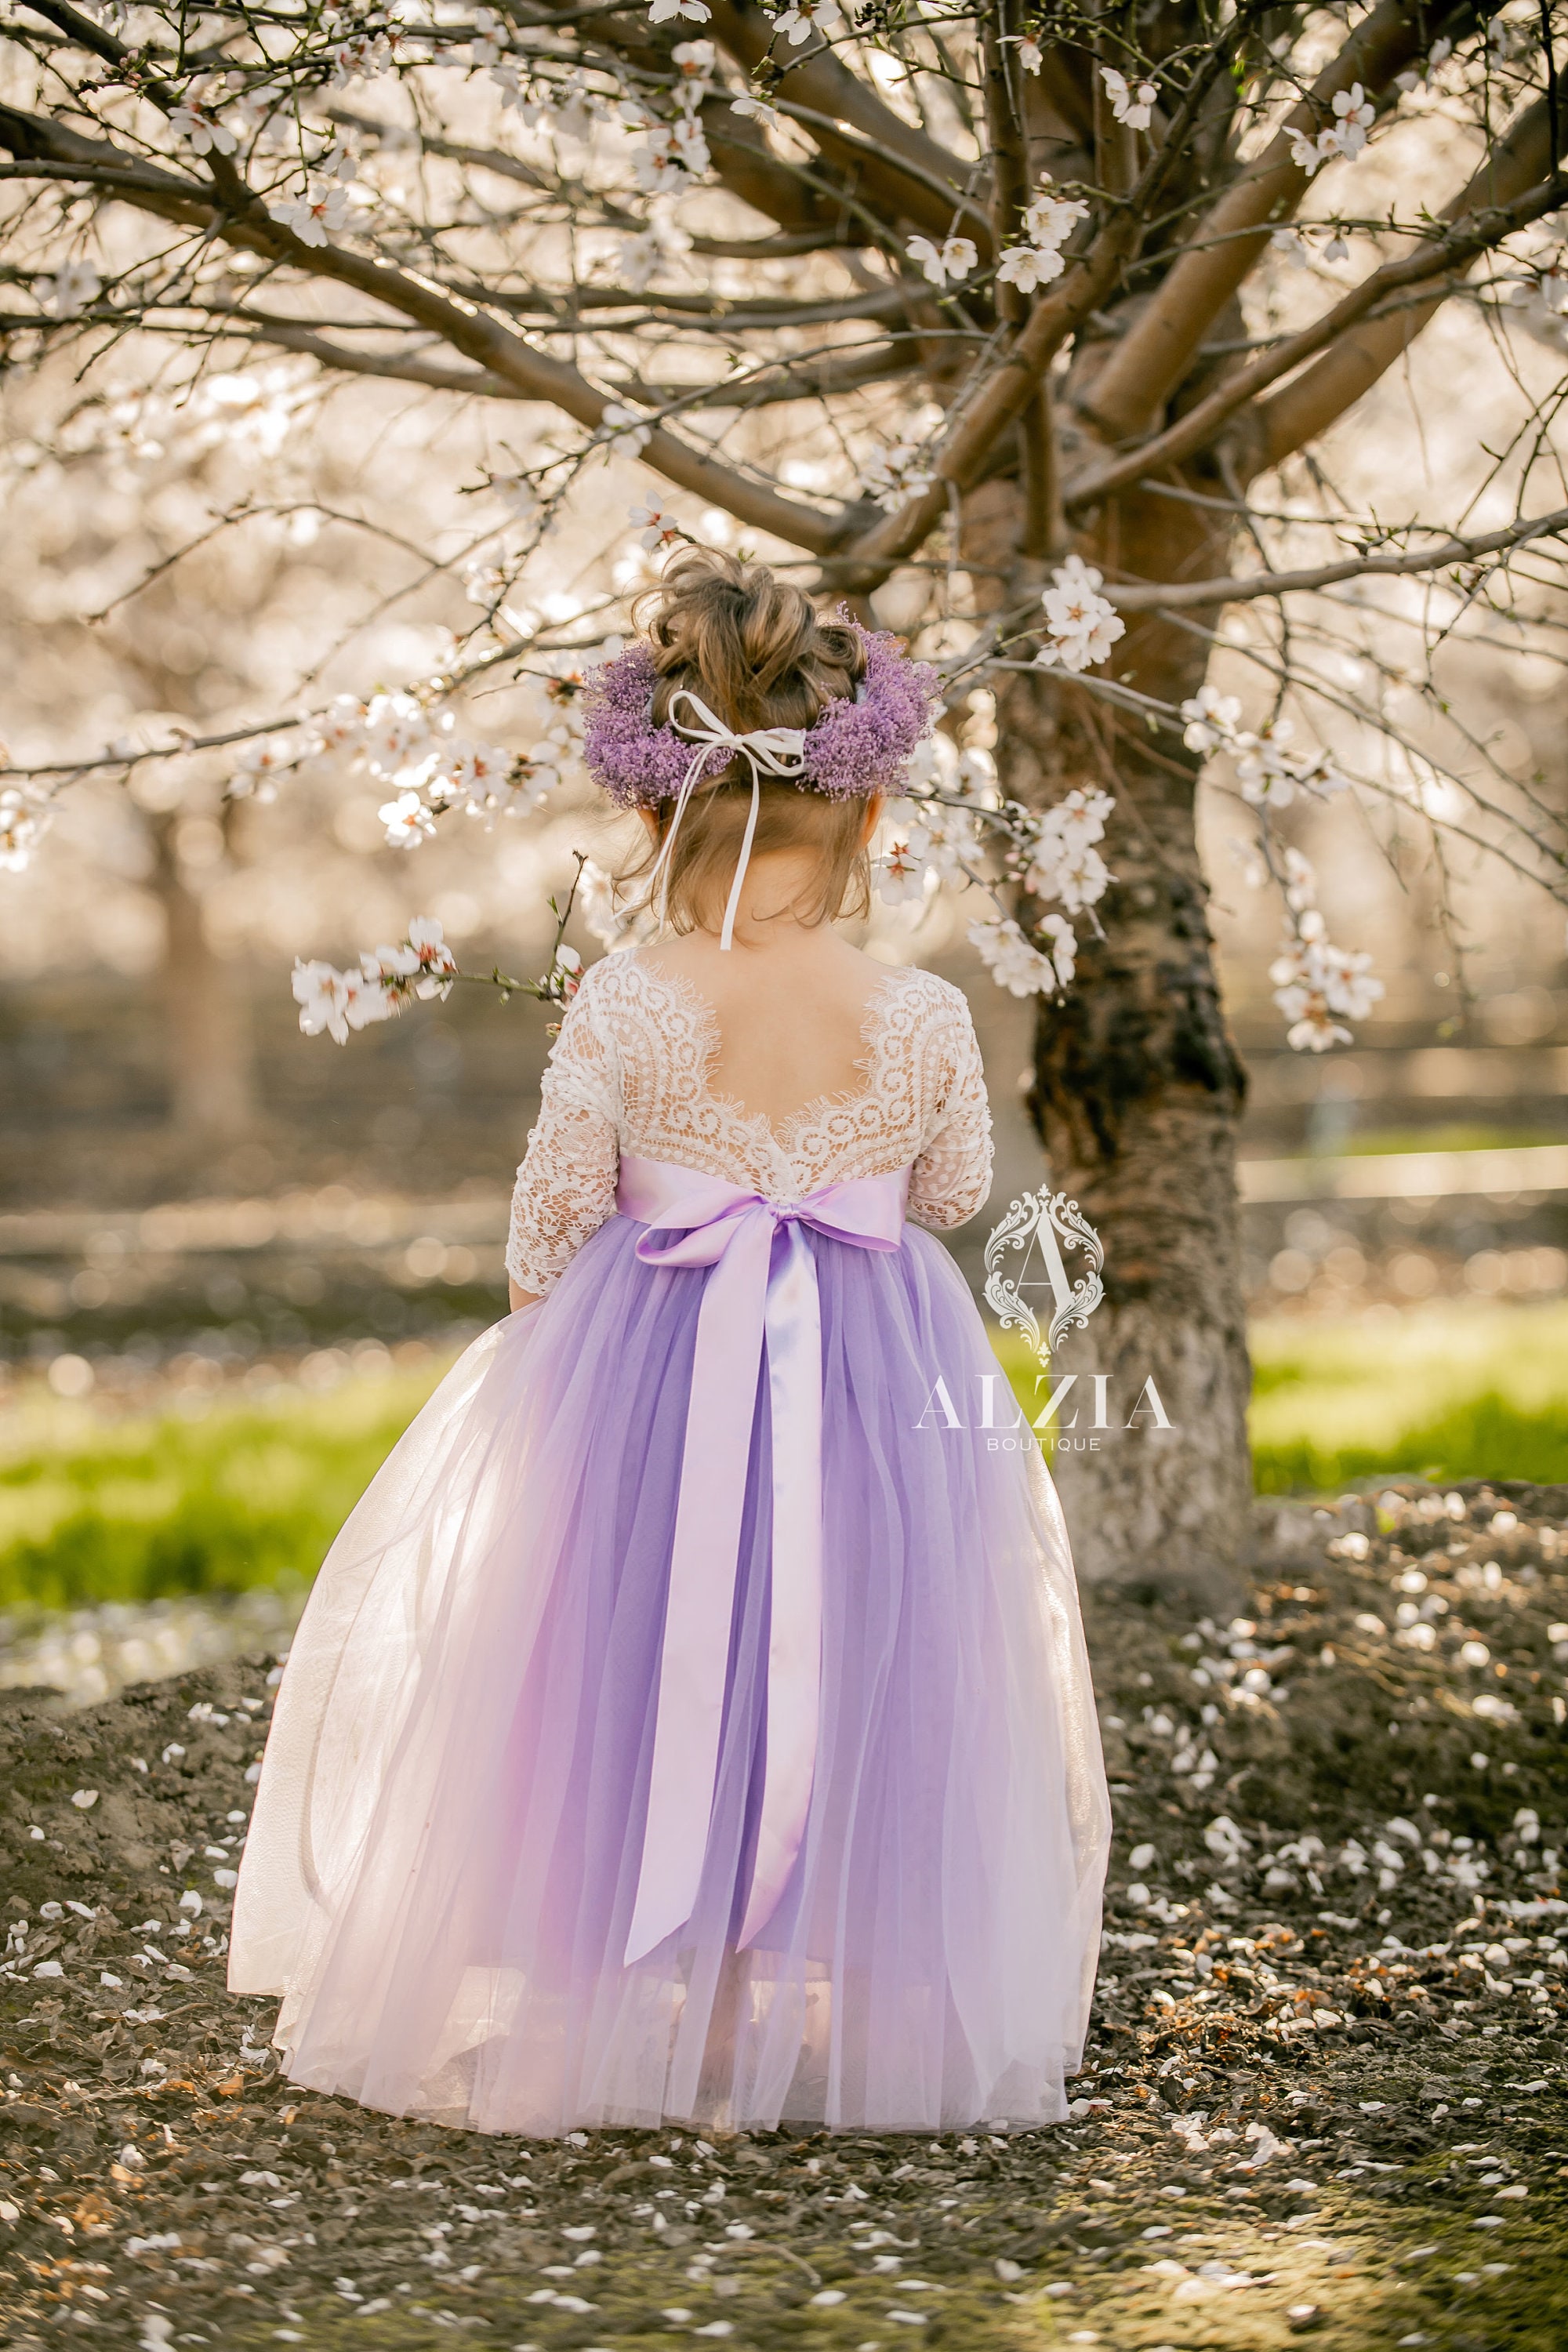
[[567, 1184], [951, 1175]]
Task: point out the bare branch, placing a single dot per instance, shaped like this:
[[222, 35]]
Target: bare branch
[[1301, 411], [994, 403], [1157, 351], [1198, 428], [243, 221], [813, 77], [1185, 595]]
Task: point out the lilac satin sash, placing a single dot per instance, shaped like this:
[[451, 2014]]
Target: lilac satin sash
[[763, 1282]]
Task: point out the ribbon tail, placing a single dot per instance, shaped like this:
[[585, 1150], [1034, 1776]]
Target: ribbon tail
[[704, 1564], [794, 1328], [660, 872], [727, 936]]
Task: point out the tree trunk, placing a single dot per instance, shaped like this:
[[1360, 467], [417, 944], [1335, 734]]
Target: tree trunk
[[1137, 1096], [209, 1053]]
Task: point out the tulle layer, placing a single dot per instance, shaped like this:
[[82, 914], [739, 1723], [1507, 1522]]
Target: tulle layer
[[445, 1851]]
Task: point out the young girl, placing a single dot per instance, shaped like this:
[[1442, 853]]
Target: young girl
[[692, 1720]]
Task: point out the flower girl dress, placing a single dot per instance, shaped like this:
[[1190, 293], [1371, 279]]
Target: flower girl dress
[[691, 1721]]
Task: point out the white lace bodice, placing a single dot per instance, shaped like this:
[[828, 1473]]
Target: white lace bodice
[[629, 1073]]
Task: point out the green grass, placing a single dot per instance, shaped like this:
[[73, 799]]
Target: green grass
[[1449, 1390], [1452, 1136], [95, 1510], [137, 1509], [1452, 1390]]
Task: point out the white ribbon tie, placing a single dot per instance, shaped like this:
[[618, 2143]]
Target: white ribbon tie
[[771, 750]]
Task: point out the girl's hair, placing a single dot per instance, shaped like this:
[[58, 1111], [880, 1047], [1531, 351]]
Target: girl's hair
[[752, 647]]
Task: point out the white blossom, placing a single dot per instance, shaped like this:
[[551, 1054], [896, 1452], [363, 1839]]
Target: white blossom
[[490, 39], [472, 775], [1066, 864], [363, 59], [23, 820], [395, 734], [324, 206], [757, 110], [192, 123], [1314, 980], [1082, 626], [1031, 56], [690, 12], [1211, 718], [407, 821], [954, 258], [801, 18], [1353, 117], [892, 475], [1030, 266], [694, 62], [253, 771], [1016, 964], [624, 428], [656, 527], [329, 1000], [70, 289], [674, 154], [1051, 220], [901, 874], [1134, 107], [1345, 136]]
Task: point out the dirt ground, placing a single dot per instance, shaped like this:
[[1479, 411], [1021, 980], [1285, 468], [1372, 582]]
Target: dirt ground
[[1324, 2095]]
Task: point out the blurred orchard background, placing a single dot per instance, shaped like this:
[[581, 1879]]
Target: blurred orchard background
[[234, 1258]]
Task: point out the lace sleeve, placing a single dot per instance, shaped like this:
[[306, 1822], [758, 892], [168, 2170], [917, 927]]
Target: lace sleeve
[[567, 1184], [951, 1176]]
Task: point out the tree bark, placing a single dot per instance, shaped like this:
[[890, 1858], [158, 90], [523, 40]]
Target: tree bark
[[1137, 1096], [209, 1051]]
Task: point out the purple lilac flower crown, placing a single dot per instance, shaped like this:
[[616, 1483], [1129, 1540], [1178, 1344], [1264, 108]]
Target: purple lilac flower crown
[[855, 749]]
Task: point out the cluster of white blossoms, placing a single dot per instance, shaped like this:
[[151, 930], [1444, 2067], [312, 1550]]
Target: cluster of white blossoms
[[1082, 626], [937, 833], [1346, 135], [1269, 773], [1049, 222], [1063, 864], [336, 1002], [331, 1002], [1317, 986], [414, 749], [1133, 107], [674, 153], [892, 475], [1016, 963], [23, 820], [949, 263]]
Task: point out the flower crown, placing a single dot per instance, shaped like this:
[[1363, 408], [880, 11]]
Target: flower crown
[[855, 749]]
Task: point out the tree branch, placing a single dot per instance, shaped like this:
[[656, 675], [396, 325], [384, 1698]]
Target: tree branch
[[1199, 426], [1185, 595], [813, 77], [1301, 411], [242, 220], [995, 404], [1155, 354]]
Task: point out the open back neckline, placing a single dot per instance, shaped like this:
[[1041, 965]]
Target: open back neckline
[[784, 1134]]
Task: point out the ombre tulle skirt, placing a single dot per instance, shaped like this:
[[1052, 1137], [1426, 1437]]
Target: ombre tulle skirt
[[444, 1855]]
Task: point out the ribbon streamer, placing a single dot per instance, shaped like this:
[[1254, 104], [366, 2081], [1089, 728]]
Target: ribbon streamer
[[771, 751], [761, 1290]]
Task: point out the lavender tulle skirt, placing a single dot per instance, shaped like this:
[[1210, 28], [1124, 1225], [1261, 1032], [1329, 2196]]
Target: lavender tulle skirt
[[445, 1851]]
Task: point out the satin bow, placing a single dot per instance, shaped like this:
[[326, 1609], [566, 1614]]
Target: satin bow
[[762, 1284], [771, 751]]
